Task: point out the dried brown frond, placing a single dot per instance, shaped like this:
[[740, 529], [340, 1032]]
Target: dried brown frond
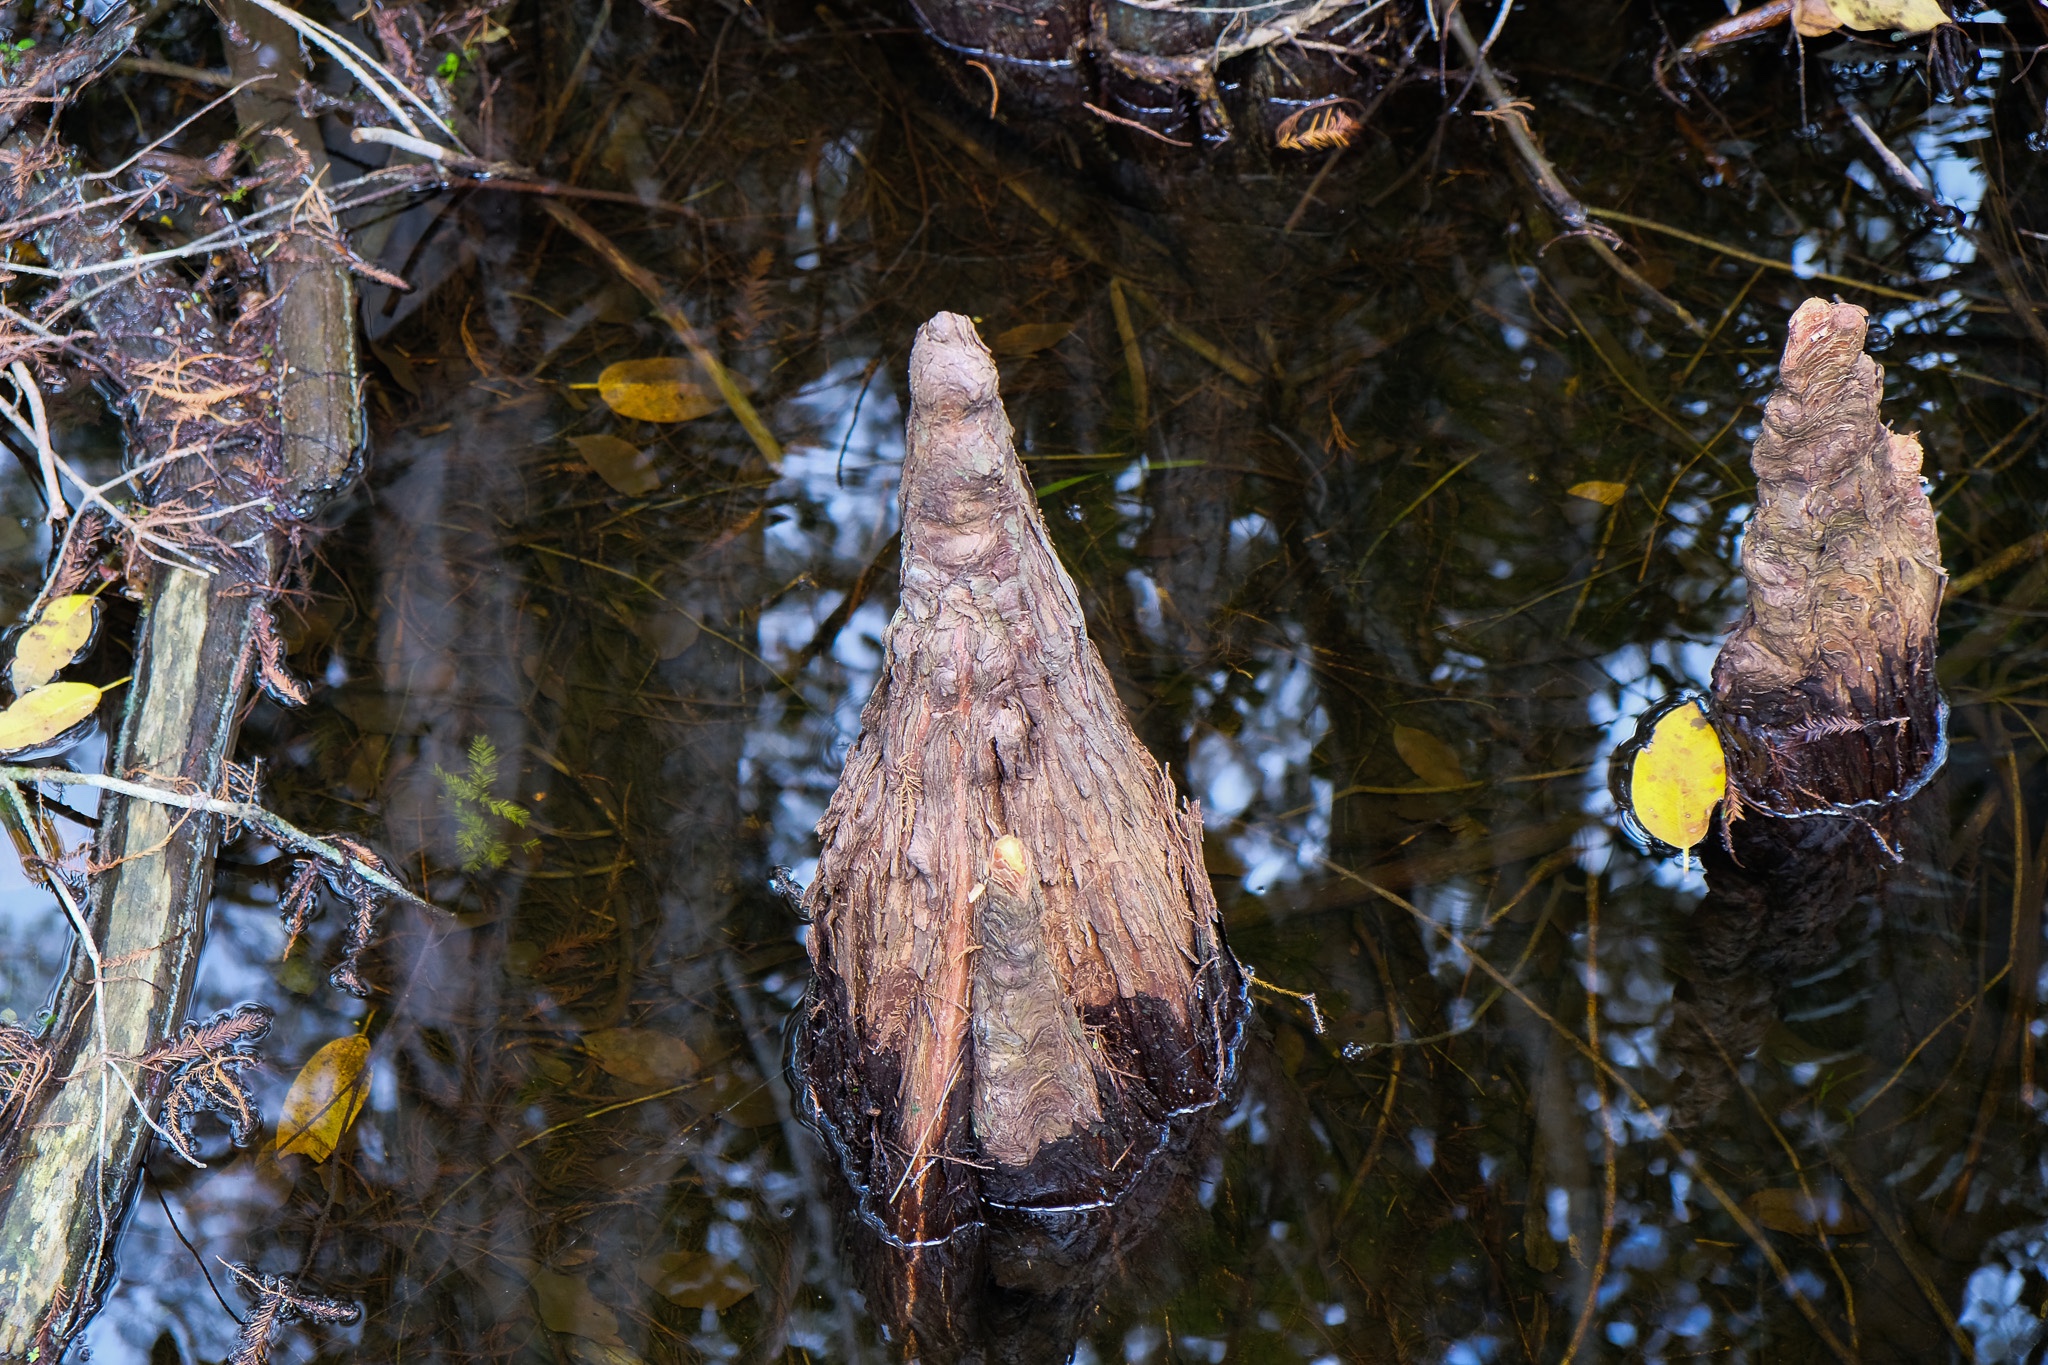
[[271, 671], [279, 1301], [206, 1061], [364, 898], [755, 308], [23, 161], [300, 895], [1321, 127], [84, 543], [24, 1066], [194, 394]]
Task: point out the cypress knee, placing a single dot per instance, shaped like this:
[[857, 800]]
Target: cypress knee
[[1825, 695], [1021, 995]]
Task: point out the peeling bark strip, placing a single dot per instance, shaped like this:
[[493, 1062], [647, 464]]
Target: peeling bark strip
[[1021, 982], [1825, 695]]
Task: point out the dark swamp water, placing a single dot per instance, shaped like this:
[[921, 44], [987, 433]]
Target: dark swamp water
[[1358, 522]]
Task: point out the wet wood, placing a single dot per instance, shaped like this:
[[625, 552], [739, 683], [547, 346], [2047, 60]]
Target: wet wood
[[1825, 695], [71, 1166], [1021, 986]]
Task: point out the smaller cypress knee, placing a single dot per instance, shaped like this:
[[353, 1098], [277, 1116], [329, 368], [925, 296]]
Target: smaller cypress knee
[[1824, 694]]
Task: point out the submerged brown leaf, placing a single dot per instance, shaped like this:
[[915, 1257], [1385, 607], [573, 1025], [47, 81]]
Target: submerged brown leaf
[[642, 1056], [1428, 757], [619, 463], [565, 1304], [695, 1279], [1796, 1212]]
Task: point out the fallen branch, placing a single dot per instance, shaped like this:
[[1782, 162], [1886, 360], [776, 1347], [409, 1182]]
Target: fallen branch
[[276, 828]]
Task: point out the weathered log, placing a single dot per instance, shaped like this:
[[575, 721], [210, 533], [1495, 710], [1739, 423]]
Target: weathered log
[[1824, 695], [71, 1167], [1022, 999]]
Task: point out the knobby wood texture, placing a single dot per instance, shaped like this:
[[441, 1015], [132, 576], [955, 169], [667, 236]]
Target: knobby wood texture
[[70, 1174], [1021, 985], [1825, 693]]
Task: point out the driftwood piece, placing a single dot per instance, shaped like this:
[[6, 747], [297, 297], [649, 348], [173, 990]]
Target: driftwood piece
[[1022, 994], [69, 1176], [1825, 694]]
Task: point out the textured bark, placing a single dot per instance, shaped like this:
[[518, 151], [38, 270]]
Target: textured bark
[[1021, 987], [1825, 695], [1034, 1080]]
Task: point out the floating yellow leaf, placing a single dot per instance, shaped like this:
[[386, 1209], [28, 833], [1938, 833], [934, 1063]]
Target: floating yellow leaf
[[1030, 338], [695, 1279], [1678, 777], [641, 1056], [1808, 1216], [661, 389], [1600, 491], [325, 1098], [1428, 757], [1865, 16], [38, 718], [619, 463], [59, 636]]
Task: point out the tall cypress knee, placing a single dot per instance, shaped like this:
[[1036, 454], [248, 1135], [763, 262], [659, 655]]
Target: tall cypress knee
[[1021, 985]]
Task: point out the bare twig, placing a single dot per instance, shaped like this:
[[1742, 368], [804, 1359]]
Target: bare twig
[[1507, 114], [281, 831]]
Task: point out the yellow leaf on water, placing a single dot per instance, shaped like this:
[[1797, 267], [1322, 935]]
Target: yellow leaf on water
[[1030, 338], [1794, 1212], [641, 1056], [59, 636], [325, 1098], [1905, 16], [1678, 777], [1600, 491], [619, 463], [661, 389], [39, 717], [1428, 757]]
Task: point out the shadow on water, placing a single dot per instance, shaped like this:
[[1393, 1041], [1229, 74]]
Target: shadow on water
[[1316, 489]]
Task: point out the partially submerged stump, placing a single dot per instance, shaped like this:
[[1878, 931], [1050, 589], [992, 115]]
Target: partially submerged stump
[[1022, 996], [1824, 695]]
